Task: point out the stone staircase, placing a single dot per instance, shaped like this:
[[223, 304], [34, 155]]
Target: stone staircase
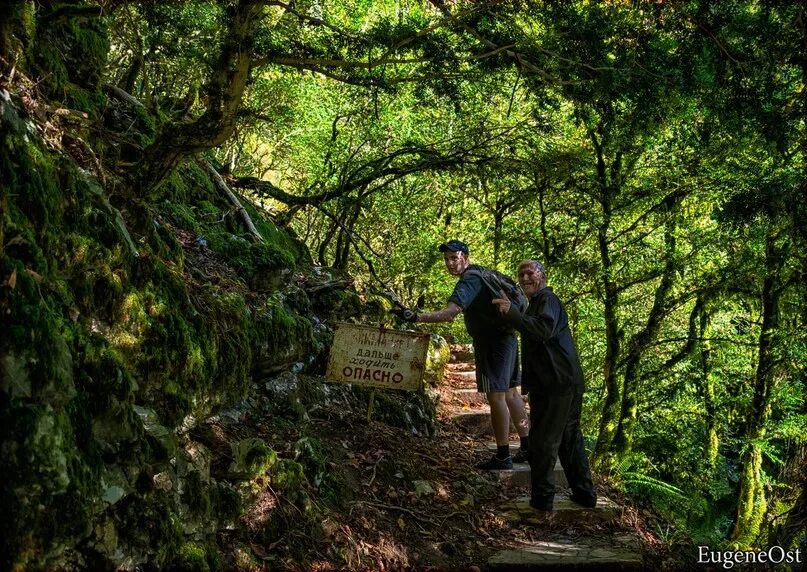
[[602, 551], [611, 553]]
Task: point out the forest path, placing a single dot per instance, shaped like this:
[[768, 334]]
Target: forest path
[[571, 537]]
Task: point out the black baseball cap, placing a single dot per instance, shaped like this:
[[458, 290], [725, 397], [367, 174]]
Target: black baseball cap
[[454, 246]]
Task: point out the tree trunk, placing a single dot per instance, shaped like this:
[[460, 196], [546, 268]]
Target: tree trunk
[[542, 224], [222, 187], [345, 236], [623, 440], [127, 83], [326, 240], [178, 141], [498, 217], [786, 532], [609, 422], [707, 390], [751, 504]]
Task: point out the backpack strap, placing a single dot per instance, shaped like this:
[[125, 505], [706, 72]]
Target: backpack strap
[[485, 275]]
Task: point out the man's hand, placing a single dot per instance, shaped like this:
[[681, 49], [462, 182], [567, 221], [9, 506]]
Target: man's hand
[[503, 302], [405, 314]]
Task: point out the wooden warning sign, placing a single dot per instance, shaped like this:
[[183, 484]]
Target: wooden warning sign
[[377, 357]]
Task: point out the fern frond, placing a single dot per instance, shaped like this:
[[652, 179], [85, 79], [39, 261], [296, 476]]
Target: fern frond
[[651, 486]]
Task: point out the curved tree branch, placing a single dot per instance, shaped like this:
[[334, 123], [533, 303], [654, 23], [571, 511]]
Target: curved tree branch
[[224, 94], [222, 186], [391, 167]]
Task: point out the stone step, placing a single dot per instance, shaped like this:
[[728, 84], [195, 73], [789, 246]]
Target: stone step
[[477, 422], [519, 476], [603, 553], [464, 377], [470, 397], [460, 366], [564, 510], [460, 353]]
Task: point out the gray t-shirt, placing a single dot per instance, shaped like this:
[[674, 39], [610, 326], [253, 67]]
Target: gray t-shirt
[[476, 300]]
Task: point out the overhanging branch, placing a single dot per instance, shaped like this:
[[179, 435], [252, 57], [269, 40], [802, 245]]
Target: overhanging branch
[[386, 169]]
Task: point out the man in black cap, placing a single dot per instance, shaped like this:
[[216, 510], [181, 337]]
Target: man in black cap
[[554, 380], [495, 351]]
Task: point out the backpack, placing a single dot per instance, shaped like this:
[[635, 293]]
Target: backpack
[[497, 282]]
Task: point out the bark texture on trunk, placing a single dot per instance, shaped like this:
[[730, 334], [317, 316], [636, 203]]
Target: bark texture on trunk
[[751, 503]]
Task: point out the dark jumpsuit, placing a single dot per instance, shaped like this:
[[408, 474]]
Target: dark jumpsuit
[[552, 376]]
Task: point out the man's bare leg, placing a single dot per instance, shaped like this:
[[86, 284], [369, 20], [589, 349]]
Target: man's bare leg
[[518, 413], [499, 417], [500, 420]]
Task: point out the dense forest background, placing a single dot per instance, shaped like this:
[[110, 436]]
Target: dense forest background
[[652, 154]]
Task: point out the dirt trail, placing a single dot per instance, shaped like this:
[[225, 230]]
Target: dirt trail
[[411, 501]]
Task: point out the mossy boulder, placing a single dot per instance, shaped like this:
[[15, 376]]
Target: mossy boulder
[[150, 529], [162, 440], [288, 475], [251, 457], [69, 53], [195, 556], [309, 453], [437, 358], [108, 349]]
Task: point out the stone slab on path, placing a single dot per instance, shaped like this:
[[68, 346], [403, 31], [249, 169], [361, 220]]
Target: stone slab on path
[[462, 353], [455, 366], [470, 397], [604, 553], [519, 476], [465, 378], [564, 510], [477, 422]]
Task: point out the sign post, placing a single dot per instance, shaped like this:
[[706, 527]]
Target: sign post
[[377, 357]]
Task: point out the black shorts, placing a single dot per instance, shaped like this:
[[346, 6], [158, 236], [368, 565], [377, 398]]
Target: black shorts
[[497, 364]]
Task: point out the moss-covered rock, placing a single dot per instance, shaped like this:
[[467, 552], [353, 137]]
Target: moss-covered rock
[[150, 529], [288, 475], [437, 358], [309, 452], [195, 556], [127, 318], [227, 502], [69, 53], [251, 457], [136, 126], [108, 348], [285, 338]]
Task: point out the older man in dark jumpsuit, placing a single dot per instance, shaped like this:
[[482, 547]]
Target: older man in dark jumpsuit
[[552, 376]]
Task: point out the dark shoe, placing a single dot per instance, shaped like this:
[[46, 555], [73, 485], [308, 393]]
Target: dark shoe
[[543, 504], [588, 501], [496, 464], [521, 457]]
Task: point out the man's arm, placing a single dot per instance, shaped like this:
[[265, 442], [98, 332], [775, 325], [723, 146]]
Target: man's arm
[[447, 314], [541, 324]]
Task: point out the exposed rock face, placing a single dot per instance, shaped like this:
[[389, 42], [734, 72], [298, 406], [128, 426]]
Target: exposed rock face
[[126, 325], [107, 360], [113, 343]]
